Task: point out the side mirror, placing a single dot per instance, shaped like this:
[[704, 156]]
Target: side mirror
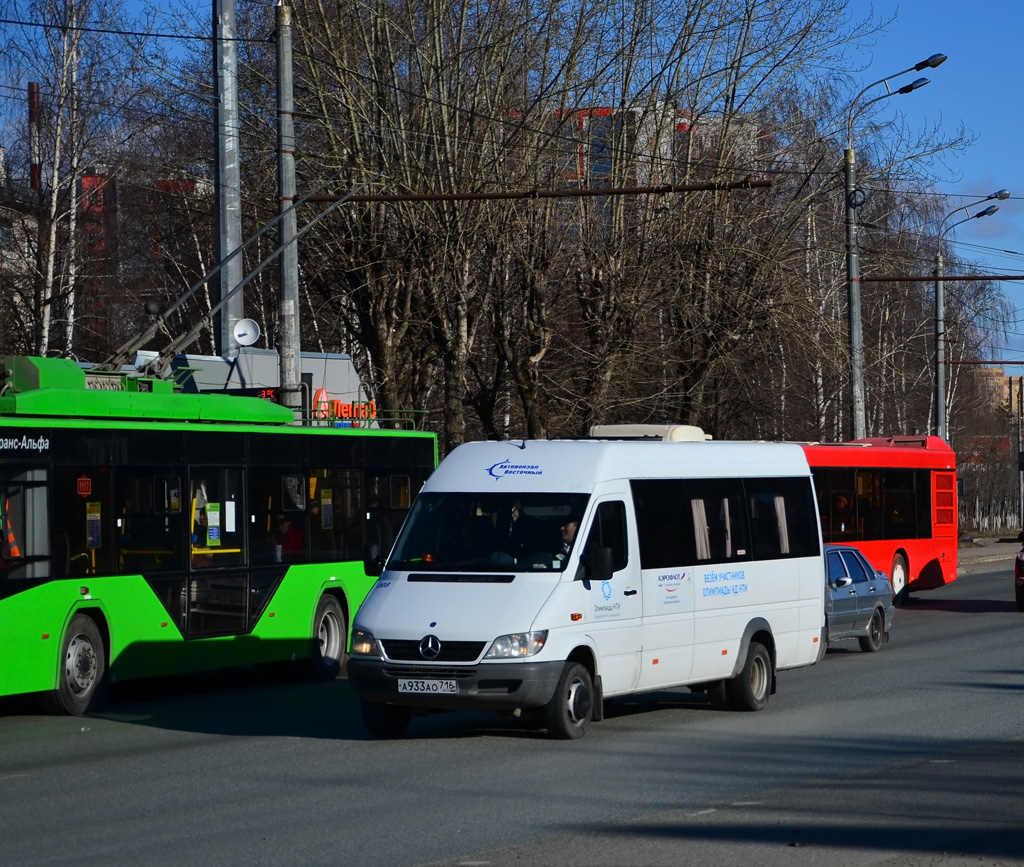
[[372, 564], [845, 581], [599, 564]]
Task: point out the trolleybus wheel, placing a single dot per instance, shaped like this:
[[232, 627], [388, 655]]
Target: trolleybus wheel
[[330, 635], [83, 662]]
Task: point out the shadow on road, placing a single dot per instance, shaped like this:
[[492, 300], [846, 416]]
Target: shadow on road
[[961, 606]]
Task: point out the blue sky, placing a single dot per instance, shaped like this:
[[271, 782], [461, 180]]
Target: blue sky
[[979, 86]]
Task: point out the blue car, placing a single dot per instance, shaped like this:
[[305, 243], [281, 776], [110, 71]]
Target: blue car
[[858, 600]]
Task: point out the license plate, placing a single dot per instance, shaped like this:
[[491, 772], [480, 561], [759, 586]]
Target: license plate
[[429, 687]]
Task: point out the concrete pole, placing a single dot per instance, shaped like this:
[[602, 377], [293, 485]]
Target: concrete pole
[[227, 180], [857, 418], [288, 262], [1020, 471], [940, 347]]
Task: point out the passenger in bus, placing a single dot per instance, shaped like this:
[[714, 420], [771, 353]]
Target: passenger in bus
[[288, 540], [321, 539], [842, 517], [200, 560]]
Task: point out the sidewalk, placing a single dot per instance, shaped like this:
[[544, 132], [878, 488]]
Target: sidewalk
[[988, 549]]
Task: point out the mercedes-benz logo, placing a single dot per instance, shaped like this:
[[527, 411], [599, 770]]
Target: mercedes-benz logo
[[430, 647]]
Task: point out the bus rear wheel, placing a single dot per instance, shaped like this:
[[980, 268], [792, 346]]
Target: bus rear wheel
[[330, 636], [898, 578], [83, 662]]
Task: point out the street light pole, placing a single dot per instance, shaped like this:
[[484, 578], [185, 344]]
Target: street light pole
[[941, 427], [854, 199]]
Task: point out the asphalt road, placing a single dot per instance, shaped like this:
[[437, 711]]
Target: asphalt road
[[911, 756]]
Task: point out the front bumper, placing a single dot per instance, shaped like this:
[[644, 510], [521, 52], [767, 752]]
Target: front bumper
[[492, 686]]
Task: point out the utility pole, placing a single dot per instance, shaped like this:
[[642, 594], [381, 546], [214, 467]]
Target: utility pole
[[288, 262], [1020, 454], [228, 184]]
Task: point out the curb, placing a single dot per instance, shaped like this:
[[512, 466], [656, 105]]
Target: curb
[[962, 562]]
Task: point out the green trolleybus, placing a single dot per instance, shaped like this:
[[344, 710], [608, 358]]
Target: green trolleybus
[[148, 532]]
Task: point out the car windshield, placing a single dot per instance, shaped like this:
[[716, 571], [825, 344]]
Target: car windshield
[[458, 532]]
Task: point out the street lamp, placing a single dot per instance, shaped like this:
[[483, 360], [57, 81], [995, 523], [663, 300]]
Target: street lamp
[[940, 305], [854, 199]]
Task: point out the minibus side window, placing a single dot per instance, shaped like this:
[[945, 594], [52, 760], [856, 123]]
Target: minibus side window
[[664, 524], [782, 521], [609, 531], [719, 519]]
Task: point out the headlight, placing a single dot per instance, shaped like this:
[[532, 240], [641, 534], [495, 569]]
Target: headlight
[[517, 645], [364, 644]]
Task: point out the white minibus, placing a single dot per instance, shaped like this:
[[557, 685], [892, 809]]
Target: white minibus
[[541, 577]]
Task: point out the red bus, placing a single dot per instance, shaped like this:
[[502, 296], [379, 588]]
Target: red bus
[[894, 498]]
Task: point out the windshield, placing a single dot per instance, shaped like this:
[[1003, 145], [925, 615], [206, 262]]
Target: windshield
[[489, 532]]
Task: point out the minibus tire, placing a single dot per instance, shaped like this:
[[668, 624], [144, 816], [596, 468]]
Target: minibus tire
[[567, 714], [330, 635], [749, 690], [385, 721], [83, 663], [876, 630], [717, 695]]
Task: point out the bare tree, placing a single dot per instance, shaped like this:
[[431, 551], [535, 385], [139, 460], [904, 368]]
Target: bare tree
[[91, 87]]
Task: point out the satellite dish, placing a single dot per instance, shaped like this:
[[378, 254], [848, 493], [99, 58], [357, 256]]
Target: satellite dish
[[246, 332]]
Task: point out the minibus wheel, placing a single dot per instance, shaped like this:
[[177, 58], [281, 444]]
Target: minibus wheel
[[750, 689], [567, 715], [385, 720]]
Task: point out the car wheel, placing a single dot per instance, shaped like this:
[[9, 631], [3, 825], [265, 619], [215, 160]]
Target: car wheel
[[749, 690], [330, 633], [873, 640], [82, 668], [1020, 600], [567, 715], [385, 721], [898, 577]]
